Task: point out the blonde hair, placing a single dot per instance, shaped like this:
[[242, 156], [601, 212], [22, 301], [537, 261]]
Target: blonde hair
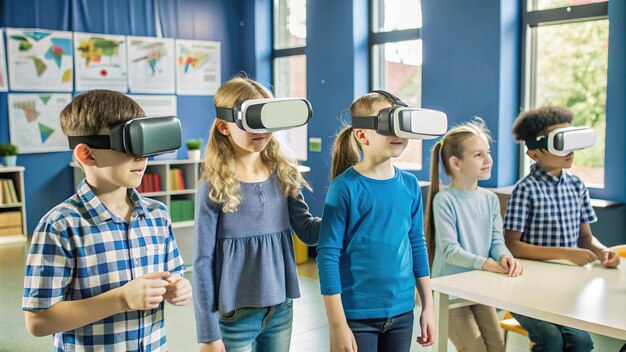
[[93, 110], [346, 149], [450, 145], [219, 158]]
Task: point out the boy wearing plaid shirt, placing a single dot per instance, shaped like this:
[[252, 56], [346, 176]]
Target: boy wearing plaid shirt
[[102, 262], [547, 217]]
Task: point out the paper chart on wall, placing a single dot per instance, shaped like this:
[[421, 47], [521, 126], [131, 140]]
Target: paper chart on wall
[[198, 67], [100, 61], [150, 65], [4, 85], [156, 105], [294, 142], [39, 60], [34, 122]]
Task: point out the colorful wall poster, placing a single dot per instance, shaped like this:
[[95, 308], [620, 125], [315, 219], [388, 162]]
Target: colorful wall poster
[[39, 60], [34, 122], [4, 85], [150, 65], [100, 61], [198, 67], [156, 105]]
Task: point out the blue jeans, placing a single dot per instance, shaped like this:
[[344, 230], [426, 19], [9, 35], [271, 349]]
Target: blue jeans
[[265, 329], [383, 334], [549, 337]]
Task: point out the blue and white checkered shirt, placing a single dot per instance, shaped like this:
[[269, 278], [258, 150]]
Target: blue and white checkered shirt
[[80, 249], [548, 210]]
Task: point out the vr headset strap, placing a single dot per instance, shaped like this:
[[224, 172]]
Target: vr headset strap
[[540, 143], [365, 122], [96, 142], [225, 114], [397, 101]]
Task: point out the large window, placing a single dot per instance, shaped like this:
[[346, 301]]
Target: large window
[[566, 60], [396, 59], [289, 66]]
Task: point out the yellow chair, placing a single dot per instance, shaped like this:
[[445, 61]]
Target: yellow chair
[[620, 250], [509, 324]]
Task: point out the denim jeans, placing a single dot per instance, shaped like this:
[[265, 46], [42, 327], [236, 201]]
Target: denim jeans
[[549, 337], [265, 329], [383, 334]]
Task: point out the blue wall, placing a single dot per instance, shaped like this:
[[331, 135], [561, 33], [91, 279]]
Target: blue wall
[[48, 178]]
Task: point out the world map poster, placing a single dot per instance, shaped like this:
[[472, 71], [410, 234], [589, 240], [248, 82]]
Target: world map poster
[[151, 65], [34, 122], [39, 60], [100, 61], [198, 67]]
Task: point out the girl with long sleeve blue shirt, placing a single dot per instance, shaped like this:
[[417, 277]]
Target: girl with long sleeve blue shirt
[[372, 253], [464, 230]]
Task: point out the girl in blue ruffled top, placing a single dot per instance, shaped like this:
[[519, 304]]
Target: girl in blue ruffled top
[[249, 198]]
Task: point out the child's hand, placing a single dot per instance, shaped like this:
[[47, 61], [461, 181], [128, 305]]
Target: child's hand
[[429, 329], [342, 339], [178, 292], [511, 266], [609, 258], [581, 256], [145, 292], [215, 346], [493, 266]]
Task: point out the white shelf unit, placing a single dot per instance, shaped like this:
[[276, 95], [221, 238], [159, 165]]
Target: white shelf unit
[[16, 173], [191, 173]]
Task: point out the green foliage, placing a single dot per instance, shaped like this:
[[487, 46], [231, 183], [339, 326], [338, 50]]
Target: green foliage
[[194, 143], [8, 149], [572, 65]]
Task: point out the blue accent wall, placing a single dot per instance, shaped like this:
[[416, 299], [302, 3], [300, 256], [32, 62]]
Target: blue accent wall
[[48, 178]]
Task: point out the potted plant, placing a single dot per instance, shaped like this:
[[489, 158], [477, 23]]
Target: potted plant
[[193, 148], [9, 154]]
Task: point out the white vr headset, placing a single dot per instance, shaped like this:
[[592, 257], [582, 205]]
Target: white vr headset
[[562, 141], [403, 121], [267, 115]]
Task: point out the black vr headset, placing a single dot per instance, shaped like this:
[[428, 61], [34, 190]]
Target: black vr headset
[[140, 137], [267, 115], [562, 141], [402, 121]]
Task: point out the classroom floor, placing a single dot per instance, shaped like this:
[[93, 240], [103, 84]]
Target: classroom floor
[[310, 329]]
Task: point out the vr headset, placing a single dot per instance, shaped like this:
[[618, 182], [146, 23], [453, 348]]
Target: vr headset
[[140, 137], [267, 115], [403, 121], [562, 141]]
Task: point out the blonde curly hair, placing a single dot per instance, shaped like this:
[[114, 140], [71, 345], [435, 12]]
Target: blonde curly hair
[[219, 158]]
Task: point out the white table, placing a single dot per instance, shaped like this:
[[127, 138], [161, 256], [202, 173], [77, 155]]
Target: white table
[[590, 298]]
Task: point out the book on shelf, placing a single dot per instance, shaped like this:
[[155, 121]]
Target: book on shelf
[[8, 195], [177, 182]]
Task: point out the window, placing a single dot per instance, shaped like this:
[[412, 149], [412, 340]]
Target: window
[[396, 60], [289, 66], [566, 64]]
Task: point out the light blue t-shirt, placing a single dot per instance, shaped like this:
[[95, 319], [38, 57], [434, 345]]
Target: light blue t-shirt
[[468, 230], [371, 246]]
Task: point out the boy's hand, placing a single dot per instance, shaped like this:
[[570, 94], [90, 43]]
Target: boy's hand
[[511, 266], [215, 346], [428, 327], [178, 292], [581, 256], [609, 258], [342, 339], [145, 292]]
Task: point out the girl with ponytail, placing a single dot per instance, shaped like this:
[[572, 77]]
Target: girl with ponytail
[[372, 253], [464, 230]]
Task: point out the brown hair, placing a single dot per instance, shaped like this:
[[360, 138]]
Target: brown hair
[[346, 149], [532, 123], [219, 157], [450, 145], [93, 110]]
